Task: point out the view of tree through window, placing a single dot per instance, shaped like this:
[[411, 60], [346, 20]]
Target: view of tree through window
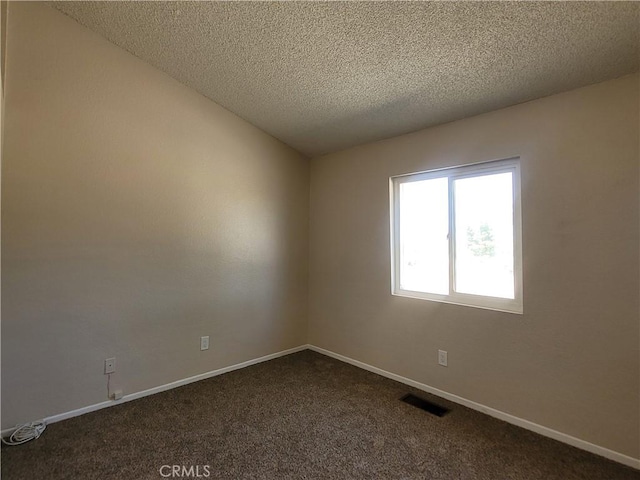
[[483, 229], [481, 242], [455, 235]]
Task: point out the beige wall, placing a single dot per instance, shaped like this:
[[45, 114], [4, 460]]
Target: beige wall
[[571, 362], [3, 41], [136, 217]]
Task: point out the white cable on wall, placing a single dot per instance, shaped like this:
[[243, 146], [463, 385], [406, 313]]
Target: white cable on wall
[[24, 433]]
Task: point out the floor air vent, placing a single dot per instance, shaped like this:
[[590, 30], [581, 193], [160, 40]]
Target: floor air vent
[[425, 405]]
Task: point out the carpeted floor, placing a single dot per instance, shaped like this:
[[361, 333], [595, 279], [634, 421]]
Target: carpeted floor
[[304, 416]]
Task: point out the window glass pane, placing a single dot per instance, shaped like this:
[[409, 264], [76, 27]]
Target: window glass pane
[[424, 226], [484, 235]]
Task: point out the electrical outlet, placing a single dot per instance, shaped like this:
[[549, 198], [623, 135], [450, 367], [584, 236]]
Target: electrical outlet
[[204, 343], [109, 365], [442, 358]]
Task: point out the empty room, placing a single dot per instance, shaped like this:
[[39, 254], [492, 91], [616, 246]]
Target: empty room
[[320, 240]]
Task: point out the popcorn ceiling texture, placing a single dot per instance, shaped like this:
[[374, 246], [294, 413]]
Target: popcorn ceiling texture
[[324, 76]]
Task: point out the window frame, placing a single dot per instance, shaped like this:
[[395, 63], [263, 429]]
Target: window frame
[[512, 164]]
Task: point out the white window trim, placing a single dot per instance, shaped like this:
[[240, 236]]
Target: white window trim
[[476, 169]]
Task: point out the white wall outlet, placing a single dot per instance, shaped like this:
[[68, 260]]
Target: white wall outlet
[[109, 365], [204, 343], [442, 358]]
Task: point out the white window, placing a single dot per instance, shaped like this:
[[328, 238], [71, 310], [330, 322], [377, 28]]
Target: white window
[[456, 235]]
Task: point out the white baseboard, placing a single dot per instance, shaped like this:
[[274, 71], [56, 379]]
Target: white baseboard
[[520, 422], [161, 388]]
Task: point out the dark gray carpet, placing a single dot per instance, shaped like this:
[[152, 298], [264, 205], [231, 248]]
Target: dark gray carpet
[[301, 416]]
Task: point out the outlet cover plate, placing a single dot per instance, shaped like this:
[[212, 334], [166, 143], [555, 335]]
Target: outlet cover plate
[[109, 365], [442, 358]]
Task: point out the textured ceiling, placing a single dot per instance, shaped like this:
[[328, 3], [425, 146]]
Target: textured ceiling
[[323, 76]]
